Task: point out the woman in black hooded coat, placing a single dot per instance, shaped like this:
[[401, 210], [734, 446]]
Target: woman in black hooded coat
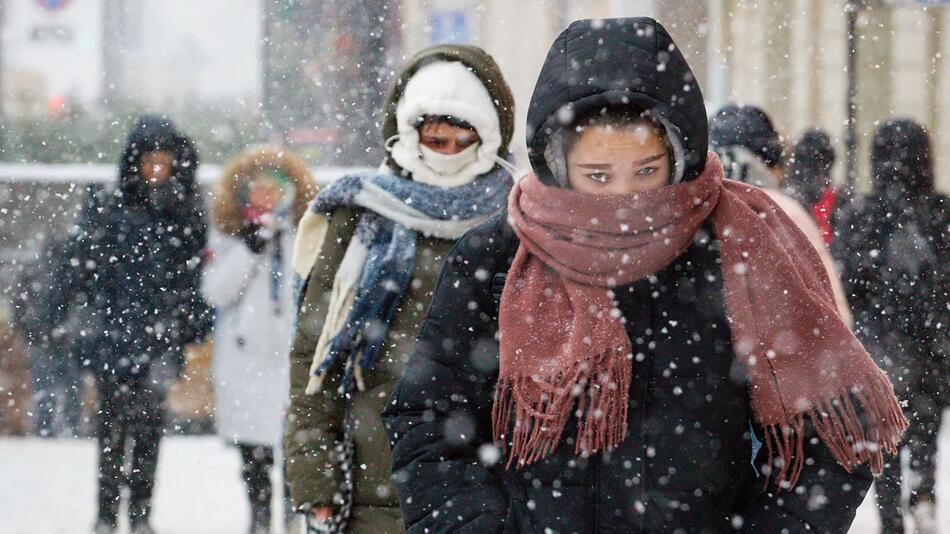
[[894, 248], [134, 266], [690, 460]]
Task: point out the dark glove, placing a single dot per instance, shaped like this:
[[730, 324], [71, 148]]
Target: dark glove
[[251, 233]]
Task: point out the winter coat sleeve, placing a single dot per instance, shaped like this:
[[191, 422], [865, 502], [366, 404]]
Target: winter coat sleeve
[[825, 499], [314, 422], [69, 273], [227, 272], [193, 311], [852, 247], [44, 290], [439, 416]]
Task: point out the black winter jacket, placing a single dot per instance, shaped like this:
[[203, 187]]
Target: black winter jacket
[[687, 461], [134, 267], [686, 464], [895, 259], [894, 246]]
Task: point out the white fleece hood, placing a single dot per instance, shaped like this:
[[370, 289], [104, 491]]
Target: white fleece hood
[[446, 88]]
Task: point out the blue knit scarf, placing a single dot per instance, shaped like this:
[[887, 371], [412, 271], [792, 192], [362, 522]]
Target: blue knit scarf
[[398, 210]]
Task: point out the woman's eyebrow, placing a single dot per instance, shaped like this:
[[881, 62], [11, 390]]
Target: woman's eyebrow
[[601, 166], [650, 159]]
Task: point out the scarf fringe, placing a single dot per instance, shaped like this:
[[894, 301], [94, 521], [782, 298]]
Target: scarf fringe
[[838, 424], [341, 301], [536, 431]]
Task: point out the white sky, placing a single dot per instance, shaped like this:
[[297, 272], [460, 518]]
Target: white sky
[[209, 49], [186, 50]]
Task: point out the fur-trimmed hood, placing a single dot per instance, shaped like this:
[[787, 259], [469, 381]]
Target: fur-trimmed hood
[[227, 207]]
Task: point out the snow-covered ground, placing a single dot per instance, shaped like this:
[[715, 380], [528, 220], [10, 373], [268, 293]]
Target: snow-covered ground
[[48, 487]]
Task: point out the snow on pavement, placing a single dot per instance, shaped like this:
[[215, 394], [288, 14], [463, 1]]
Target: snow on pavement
[[49, 487]]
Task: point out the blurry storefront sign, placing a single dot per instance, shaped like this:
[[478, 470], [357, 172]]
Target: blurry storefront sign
[[311, 136], [53, 5], [51, 48], [449, 26], [52, 31]]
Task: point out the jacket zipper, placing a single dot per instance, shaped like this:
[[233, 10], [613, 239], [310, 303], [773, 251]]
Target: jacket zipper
[[641, 415], [644, 387], [597, 459]]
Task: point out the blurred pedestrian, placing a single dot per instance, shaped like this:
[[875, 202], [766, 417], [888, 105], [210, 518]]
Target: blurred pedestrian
[[258, 201], [368, 252], [894, 245], [751, 152], [54, 352], [135, 264], [608, 355], [808, 180], [748, 144]]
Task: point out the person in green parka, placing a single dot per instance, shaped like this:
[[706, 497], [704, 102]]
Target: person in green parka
[[366, 259]]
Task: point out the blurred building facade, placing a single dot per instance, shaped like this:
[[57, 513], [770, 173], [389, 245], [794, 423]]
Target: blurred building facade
[[787, 56], [315, 70], [49, 51], [160, 54], [326, 66]]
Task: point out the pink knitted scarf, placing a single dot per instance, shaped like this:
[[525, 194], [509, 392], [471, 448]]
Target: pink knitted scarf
[[564, 349]]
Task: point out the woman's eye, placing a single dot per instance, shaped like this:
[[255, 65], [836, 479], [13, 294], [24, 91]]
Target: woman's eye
[[599, 177], [646, 171]]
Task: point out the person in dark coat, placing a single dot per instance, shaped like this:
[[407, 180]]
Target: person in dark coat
[[894, 248], [54, 365], [579, 369], [134, 265], [745, 138], [808, 179]]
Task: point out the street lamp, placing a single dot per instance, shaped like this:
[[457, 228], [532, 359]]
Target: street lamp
[[851, 9]]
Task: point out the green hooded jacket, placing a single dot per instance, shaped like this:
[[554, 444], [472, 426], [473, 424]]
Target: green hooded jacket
[[314, 423]]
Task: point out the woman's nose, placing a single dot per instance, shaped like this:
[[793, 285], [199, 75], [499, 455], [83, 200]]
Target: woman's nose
[[622, 187], [454, 147]]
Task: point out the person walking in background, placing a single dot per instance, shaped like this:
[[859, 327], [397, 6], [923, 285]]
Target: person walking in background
[[367, 255], [894, 246], [748, 144], [609, 355], [134, 265], [750, 149], [808, 180], [258, 201], [54, 353]]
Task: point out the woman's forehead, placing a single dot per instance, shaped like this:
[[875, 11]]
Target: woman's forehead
[[154, 154], [606, 137], [441, 126]]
